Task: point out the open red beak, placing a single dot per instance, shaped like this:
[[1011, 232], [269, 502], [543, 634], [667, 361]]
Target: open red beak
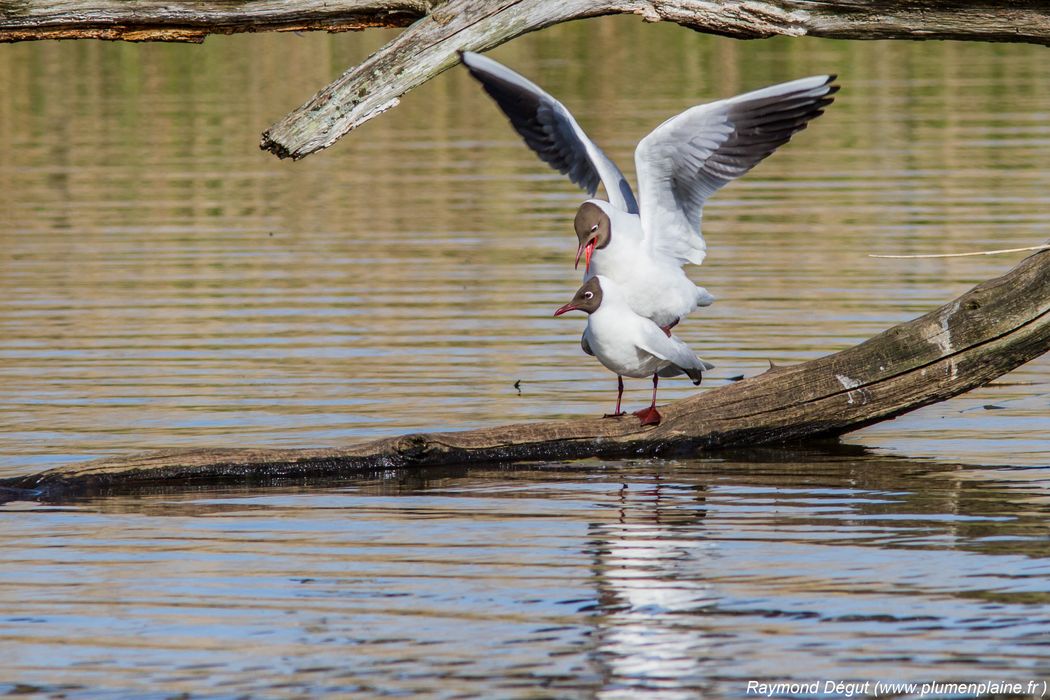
[[564, 309], [587, 250]]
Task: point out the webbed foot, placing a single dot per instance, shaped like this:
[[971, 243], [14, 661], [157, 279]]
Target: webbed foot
[[649, 416]]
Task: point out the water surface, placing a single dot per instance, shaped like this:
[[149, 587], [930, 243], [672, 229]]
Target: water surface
[[619, 579], [163, 283]]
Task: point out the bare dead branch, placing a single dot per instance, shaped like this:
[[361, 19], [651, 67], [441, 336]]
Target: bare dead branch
[[439, 29]]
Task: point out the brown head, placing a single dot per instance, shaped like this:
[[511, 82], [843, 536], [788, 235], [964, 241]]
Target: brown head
[[594, 230], [588, 298]]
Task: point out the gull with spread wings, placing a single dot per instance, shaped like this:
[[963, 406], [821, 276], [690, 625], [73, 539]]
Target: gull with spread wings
[[642, 243]]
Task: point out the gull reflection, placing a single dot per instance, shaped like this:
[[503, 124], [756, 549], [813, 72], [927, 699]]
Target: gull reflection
[[650, 564]]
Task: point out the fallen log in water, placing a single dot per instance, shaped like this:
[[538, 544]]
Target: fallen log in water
[[966, 343]]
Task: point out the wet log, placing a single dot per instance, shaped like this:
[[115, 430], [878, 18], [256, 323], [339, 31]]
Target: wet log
[[964, 344]]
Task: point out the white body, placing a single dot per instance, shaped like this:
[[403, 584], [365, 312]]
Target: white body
[[654, 286], [679, 164], [631, 345]]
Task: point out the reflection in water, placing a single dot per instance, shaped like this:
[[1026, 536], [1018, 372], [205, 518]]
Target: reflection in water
[[650, 569], [620, 579]]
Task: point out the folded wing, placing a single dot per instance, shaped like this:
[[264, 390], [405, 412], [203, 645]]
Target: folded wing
[[689, 157], [550, 130], [683, 360]]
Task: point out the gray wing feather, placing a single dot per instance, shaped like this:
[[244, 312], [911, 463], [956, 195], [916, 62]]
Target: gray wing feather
[[585, 346], [682, 359], [550, 130], [691, 156]]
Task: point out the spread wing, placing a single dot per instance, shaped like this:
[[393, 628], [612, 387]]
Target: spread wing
[[691, 156], [551, 131]]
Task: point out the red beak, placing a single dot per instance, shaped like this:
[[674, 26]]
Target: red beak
[[566, 308], [587, 248]]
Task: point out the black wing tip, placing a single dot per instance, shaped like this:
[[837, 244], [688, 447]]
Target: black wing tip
[[696, 374]]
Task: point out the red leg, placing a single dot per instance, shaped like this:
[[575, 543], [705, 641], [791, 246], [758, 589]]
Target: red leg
[[667, 329], [619, 395], [650, 416]]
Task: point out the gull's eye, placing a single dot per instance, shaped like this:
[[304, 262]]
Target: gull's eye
[[588, 295], [594, 228]]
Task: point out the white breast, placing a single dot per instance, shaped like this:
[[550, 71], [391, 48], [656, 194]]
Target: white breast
[[613, 338], [658, 291], [655, 287]]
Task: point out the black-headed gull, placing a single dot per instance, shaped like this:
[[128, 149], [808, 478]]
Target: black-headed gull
[[643, 243], [628, 344]]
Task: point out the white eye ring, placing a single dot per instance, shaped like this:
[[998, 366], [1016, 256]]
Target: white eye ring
[[588, 295], [594, 228]]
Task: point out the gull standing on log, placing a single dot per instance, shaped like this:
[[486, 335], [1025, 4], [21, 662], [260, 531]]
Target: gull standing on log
[[643, 243], [629, 344]]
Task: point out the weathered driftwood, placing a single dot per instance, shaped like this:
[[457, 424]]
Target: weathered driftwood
[[439, 29], [966, 343], [430, 46], [193, 20]]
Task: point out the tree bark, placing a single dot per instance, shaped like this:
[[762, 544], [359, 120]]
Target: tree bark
[[193, 20], [964, 344]]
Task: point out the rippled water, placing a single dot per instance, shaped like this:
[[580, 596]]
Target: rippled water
[[164, 283], [567, 580]]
